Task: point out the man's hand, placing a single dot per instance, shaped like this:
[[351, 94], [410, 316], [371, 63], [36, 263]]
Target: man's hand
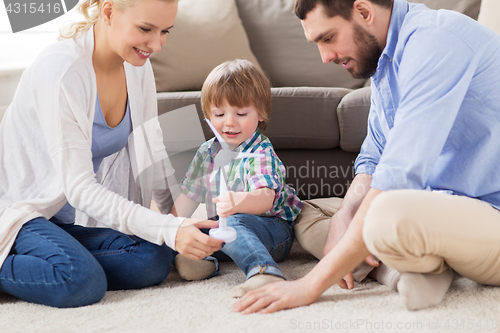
[[348, 281], [277, 296], [338, 226], [340, 222], [194, 244]]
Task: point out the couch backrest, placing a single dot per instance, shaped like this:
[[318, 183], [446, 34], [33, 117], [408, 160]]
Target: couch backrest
[[277, 40], [467, 7], [207, 33]]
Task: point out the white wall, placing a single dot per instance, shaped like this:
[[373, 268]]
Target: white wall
[[490, 9], [20, 49]]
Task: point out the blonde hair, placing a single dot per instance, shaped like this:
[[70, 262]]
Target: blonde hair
[[240, 84], [91, 10]]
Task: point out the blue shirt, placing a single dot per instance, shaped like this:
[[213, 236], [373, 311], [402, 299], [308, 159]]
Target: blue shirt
[[434, 121], [105, 141], [108, 140]]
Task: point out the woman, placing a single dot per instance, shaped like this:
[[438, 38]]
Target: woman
[[75, 105]]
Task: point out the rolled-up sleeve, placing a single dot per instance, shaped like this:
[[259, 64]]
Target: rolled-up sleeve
[[374, 143], [264, 172]]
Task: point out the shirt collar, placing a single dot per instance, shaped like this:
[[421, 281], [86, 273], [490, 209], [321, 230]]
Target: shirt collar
[[244, 146], [399, 10]]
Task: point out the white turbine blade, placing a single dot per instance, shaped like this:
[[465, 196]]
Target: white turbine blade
[[243, 155], [213, 174], [217, 135], [223, 183]]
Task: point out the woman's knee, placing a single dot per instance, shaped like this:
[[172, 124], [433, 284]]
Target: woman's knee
[[152, 265], [160, 263], [85, 284]]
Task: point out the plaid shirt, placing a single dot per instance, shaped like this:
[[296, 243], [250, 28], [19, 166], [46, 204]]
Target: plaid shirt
[[243, 175]]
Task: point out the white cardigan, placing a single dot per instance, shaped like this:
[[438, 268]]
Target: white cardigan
[[45, 150]]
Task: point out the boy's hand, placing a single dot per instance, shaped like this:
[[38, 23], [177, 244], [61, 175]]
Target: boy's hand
[[227, 204], [194, 244], [254, 202]]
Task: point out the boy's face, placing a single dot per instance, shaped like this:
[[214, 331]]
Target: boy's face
[[235, 124]]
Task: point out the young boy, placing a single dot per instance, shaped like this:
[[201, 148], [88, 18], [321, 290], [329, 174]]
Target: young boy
[[236, 98]]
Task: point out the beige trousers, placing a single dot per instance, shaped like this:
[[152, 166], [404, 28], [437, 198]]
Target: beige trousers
[[421, 231], [311, 230], [312, 224]]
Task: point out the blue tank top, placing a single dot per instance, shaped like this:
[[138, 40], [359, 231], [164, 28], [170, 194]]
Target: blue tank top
[[105, 141]]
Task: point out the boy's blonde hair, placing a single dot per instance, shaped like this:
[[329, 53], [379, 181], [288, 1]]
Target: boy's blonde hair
[[91, 10], [240, 84]]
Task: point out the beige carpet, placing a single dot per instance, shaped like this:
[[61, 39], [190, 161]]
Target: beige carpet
[[204, 306]]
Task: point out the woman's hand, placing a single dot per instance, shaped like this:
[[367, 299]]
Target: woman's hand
[[194, 244]]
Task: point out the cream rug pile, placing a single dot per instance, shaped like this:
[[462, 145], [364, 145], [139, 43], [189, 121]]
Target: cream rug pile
[[204, 306]]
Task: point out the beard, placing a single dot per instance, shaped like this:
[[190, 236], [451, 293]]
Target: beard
[[368, 53]]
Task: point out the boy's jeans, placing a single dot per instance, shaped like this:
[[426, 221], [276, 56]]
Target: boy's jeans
[[66, 265], [261, 241]]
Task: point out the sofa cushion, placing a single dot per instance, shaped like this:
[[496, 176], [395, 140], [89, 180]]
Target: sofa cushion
[[277, 40], [488, 15], [353, 118], [205, 34], [467, 7], [309, 115]]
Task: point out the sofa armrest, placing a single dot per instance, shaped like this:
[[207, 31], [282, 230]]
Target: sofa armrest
[[352, 113]]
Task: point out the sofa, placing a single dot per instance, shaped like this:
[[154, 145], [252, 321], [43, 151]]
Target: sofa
[[319, 112]]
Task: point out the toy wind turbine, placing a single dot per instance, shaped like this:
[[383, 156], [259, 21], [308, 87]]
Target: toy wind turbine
[[224, 157]]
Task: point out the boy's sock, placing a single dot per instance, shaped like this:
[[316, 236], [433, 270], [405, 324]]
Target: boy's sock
[[385, 275], [193, 270], [420, 291], [254, 282]]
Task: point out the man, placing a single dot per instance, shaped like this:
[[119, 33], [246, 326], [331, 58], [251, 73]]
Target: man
[[427, 190]]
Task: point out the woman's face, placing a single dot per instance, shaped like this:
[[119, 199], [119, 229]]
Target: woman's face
[[141, 29]]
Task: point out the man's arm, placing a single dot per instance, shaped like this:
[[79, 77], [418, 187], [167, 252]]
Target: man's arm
[[349, 252], [343, 217], [254, 202]]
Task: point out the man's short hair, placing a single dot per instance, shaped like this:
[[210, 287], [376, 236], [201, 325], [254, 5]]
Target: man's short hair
[[240, 84], [332, 7]]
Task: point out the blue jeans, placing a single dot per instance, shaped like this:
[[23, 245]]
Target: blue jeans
[[260, 243], [65, 265]]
